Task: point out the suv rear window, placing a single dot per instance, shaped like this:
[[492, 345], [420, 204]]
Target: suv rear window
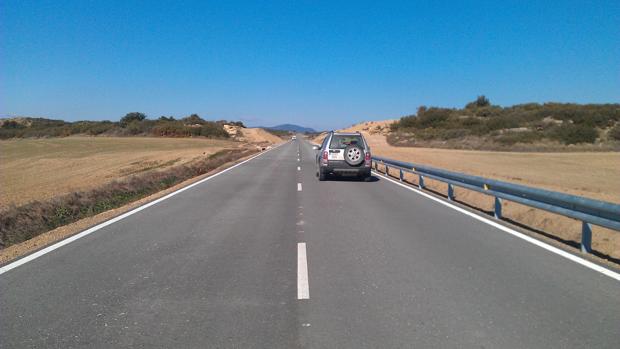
[[341, 141]]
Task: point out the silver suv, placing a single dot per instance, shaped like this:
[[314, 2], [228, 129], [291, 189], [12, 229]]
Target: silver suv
[[343, 154]]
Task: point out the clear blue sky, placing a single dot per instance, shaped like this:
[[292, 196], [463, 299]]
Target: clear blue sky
[[323, 65]]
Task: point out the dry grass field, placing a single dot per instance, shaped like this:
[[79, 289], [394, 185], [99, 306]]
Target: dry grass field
[[591, 174], [38, 169]]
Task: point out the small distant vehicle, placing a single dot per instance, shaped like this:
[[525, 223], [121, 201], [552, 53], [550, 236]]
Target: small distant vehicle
[[343, 154], [294, 137]]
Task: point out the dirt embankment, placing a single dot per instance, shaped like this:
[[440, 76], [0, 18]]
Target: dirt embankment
[[259, 136], [251, 135], [590, 174]]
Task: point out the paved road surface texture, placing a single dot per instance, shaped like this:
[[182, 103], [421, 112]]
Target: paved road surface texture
[[266, 256]]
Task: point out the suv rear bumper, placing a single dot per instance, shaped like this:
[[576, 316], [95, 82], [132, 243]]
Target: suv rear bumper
[[343, 168]]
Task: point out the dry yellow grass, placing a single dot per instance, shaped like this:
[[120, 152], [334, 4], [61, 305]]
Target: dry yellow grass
[[38, 169], [591, 174]]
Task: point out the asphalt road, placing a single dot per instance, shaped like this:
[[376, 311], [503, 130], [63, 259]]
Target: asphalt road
[[222, 265]]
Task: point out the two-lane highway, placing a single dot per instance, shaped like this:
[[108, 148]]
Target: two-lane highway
[[267, 256]]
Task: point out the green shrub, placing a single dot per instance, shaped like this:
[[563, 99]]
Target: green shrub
[[471, 122], [575, 134], [489, 111], [614, 133], [404, 122], [480, 102], [453, 133], [101, 128], [170, 129], [501, 123], [132, 117], [432, 117], [426, 134], [133, 124], [510, 138], [212, 129], [480, 118], [193, 119], [12, 125], [135, 128]]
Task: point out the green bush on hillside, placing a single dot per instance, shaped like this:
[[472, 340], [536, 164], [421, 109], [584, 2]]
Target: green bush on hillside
[[614, 133], [193, 119], [132, 124], [575, 134], [511, 138], [131, 118], [480, 102], [565, 122], [12, 125]]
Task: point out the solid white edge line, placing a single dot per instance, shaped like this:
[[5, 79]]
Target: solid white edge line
[[303, 291], [72, 238], [612, 274], [298, 186]]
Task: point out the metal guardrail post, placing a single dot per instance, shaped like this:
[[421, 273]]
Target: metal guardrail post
[[450, 192], [586, 237], [420, 181], [387, 173], [498, 208], [400, 175]]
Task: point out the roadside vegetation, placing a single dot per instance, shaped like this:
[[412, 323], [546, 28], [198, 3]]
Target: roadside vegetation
[[20, 223], [481, 125], [132, 124]]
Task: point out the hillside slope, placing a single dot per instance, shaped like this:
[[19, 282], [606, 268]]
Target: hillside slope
[[523, 127]]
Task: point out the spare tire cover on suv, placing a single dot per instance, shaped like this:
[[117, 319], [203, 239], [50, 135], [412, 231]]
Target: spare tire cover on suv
[[353, 155]]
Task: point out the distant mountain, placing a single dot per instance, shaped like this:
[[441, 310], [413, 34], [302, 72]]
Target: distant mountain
[[291, 128]]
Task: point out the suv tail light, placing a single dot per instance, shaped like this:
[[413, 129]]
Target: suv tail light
[[367, 159], [324, 158]]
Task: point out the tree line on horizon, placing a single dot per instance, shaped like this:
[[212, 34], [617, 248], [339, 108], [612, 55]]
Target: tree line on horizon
[[567, 123], [132, 124]]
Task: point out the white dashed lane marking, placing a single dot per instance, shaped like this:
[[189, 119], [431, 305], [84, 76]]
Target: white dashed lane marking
[[302, 272]]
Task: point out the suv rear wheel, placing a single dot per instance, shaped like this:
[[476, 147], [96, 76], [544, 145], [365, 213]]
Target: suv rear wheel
[[353, 155]]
